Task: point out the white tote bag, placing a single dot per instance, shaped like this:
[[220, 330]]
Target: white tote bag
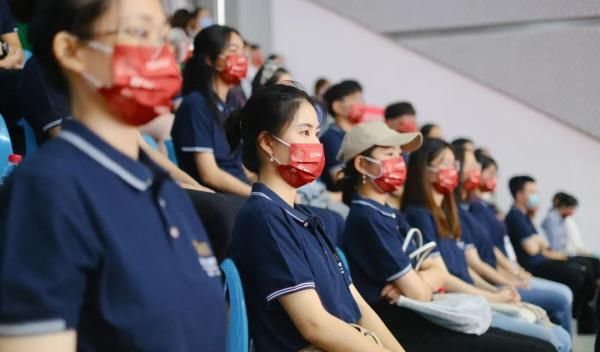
[[454, 311]]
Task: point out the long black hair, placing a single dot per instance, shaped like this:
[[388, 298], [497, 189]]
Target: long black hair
[[351, 178], [418, 190], [200, 69], [46, 18], [271, 109], [460, 152]]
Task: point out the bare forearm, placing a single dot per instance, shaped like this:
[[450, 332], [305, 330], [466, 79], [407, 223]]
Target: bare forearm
[[503, 262], [433, 276], [57, 342], [481, 283], [14, 59], [371, 321], [454, 284], [337, 336], [488, 273], [223, 181], [182, 178]]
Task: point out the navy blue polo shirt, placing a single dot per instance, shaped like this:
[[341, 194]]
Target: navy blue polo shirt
[[44, 105], [95, 241], [333, 223], [332, 142], [478, 235], [280, 250], [7, 22], [372, 242], [196, 129], [486, 214], [520, 228], [452, 250]]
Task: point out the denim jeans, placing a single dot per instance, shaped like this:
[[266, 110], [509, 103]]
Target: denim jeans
[[556, 335], [554, 297]]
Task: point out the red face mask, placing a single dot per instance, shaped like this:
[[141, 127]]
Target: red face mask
[[235, 70], [257, 60], [144, 80], [360, 113], [307, 161], [473, 180], [488, 185], [446, 180], [392, 174], [407, 126]]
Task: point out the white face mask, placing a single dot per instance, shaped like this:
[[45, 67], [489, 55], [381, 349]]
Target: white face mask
[[205, 21], [103, 48]]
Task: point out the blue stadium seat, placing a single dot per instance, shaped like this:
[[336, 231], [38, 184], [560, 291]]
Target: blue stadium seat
[[151, 142], [171, 151], [343, 259], [237, 330], [5, 144], [27, 55], [30, 140]]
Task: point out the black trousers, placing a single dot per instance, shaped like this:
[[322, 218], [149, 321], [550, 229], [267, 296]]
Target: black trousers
[[217, 212], [580, 274], [10, 109], [418, 334]]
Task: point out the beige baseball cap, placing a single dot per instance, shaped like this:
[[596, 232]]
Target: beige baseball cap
[[367, 135]]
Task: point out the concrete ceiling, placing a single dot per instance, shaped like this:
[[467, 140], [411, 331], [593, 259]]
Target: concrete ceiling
[[544, 53]]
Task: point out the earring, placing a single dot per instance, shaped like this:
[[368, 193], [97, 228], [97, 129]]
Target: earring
[[364, 179], [271, 158]]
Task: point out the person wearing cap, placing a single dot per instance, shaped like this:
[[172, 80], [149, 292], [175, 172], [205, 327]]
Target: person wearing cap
[[297, 292], [373, 243]]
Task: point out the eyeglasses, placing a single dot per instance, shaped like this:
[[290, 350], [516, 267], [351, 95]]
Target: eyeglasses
[[445, 165], [139, 30]]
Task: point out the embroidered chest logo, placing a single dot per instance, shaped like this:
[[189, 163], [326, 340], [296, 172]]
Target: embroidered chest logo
[[206, 259]]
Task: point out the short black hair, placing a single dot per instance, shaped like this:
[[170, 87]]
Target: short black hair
[[320, 83], [461, 142], [398, 109], [562, 199], [517, 183], [181, 18], [484, 159], [339, 91], [426, 129]]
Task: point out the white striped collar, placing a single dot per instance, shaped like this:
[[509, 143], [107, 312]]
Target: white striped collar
[[376, 207], [105, 160], [260, 190]]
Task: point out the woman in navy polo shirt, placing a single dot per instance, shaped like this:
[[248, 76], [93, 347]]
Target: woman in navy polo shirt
[[99, 247], [484, 258], [211, 92], [430, 206], [297, 291], [374, 168]]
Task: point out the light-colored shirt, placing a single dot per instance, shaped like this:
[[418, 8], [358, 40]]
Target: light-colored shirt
[[556, 231]]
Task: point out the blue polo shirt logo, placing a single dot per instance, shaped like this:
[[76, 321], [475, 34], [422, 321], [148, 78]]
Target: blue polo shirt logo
[[206, 259]]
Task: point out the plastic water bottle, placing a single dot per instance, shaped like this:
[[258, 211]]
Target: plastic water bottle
[[13, 161]]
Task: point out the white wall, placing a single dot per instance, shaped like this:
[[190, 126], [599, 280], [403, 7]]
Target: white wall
[[318, 42]]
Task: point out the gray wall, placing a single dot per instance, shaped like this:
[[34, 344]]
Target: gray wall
[[541, 52]]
